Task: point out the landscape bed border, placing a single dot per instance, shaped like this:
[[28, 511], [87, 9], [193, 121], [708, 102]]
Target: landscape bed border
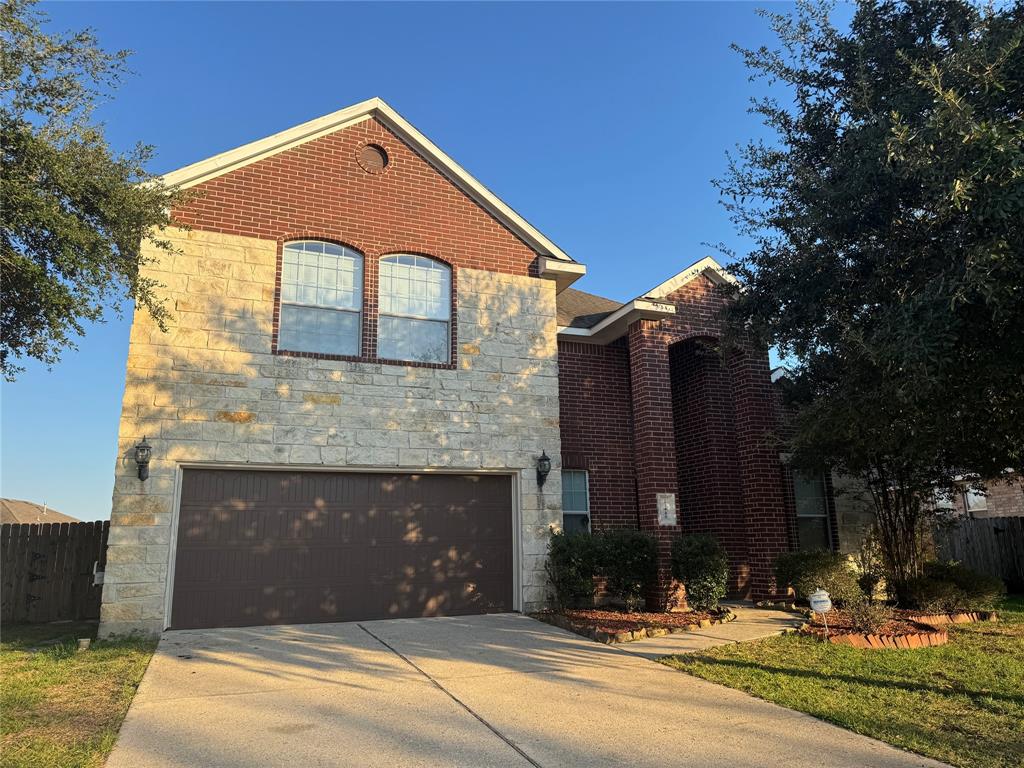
[[575, 626]]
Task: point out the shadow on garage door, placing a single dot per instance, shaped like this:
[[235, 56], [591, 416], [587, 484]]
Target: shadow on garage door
[[273, 547]]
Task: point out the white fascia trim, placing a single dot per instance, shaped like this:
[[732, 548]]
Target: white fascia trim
[[714, 270], [564, 273], [618, 322], [225, 162], [211, 168]]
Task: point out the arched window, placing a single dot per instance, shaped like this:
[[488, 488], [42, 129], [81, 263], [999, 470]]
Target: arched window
[[415, 304], [321, 298]]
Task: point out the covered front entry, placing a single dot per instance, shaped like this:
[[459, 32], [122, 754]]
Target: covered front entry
[[285, 547]]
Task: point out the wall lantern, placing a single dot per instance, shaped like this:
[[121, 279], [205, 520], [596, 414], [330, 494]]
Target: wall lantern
[[543, 468], [143, 453]]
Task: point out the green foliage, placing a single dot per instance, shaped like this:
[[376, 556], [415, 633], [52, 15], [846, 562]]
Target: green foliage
[[870, 562], [888, 224], [948, 587], [571, 567], [868, 583], [628, 560], [73, 212], [808, 571], [701, 564], [933, 595]]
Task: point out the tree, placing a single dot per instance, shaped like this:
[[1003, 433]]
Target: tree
[[888, 262], [73, 212]]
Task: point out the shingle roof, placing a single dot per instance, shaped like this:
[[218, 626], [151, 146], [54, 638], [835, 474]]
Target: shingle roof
[[578, 309], [18, 511]]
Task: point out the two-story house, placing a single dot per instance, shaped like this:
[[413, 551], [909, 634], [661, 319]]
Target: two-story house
[[370, 361]]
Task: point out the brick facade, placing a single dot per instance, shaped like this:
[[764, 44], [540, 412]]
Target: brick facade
[[700, 426], [597, 427], [319, 190]]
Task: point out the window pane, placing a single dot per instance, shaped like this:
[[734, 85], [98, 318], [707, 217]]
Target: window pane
[[942, 500], [809, 494], [402, 338], [975, 500], [575, 523], [574, 491], [812, 533], [416, 286], [322, 274], [309, 329]]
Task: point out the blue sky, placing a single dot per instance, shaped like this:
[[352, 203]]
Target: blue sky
[[601, 124]]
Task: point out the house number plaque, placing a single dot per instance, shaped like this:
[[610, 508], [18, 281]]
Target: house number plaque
[[666, 509]]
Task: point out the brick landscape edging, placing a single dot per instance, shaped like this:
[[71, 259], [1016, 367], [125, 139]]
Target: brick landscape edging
[[627, 636], [927, 636], [955, 618]]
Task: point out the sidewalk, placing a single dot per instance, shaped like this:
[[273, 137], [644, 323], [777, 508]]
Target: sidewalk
[[750, 624]]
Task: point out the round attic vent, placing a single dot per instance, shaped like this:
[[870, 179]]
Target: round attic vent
[[373, 158]]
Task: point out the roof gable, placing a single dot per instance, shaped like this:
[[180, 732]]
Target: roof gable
[[225, 162], [707, 267]]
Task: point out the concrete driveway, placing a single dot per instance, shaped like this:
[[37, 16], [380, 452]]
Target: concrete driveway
[[500, 690]]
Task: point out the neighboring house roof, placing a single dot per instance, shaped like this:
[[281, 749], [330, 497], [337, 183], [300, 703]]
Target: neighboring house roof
[[18, 511], [579, 309], [375, 108]]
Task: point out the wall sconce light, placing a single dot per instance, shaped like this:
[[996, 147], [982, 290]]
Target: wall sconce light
[[543, 468], [143, 453]]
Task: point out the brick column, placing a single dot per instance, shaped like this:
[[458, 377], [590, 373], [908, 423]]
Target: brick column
[[654, 443], [764, 508]]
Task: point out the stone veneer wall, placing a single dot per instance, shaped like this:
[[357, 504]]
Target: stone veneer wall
[[209, 390]]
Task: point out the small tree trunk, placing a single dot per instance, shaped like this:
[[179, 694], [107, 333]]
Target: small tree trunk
[[899, 513]]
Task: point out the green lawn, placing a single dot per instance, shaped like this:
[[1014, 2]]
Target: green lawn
[[962, 703], [62, 707]]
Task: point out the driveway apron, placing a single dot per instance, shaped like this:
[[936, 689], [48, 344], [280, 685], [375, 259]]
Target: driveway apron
[[498, 690]]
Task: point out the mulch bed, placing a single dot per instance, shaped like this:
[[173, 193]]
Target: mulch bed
[[610, 626]]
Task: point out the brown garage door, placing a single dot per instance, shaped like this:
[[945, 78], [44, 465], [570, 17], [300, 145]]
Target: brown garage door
[[294, 547]]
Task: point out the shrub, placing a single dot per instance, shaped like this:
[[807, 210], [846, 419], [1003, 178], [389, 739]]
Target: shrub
[[867, 617], [808, 571], [868, 583], [980, 591], [949, 587], [628, 560], [701, 564], [932, 595], [571, 566]]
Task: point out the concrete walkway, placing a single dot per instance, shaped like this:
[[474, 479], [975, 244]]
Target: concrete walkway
[[500, 690], [750, 624]]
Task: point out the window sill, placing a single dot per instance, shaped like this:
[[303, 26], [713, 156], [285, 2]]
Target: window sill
[[362, 359]]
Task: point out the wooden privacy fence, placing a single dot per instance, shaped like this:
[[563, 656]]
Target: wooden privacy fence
[[991, 545], [48, 571]]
